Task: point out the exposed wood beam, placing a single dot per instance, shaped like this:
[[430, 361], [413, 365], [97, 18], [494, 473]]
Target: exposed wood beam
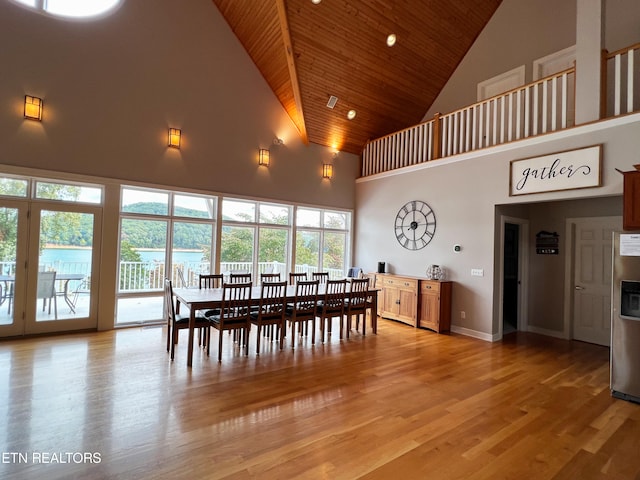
[[291, 64]]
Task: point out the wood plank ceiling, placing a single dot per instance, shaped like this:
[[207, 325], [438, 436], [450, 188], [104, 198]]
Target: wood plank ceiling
[[310, 51]]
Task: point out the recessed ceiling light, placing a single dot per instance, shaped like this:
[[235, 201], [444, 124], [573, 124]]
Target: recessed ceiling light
[[316, 2], [351, 114], [391, 39]]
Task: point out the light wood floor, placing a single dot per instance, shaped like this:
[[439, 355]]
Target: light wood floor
[[405, 404]]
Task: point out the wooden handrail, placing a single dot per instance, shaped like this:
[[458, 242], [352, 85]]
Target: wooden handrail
[[528, 110], [635, 46]]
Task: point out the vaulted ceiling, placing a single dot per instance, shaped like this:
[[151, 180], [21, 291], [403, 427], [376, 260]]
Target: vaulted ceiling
[[310, 50]]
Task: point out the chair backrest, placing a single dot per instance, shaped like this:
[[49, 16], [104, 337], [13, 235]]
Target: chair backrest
[[306, 297], [296, 277], [46, 285], [240, 277], [272, 299], [236, 302], [323, 277], [269, 277], [210, 280], [169, 308], [358, 293], [334, 294], [354, 272]]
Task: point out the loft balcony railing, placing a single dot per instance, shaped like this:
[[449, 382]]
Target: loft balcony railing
[[543, 106], [622, 75]]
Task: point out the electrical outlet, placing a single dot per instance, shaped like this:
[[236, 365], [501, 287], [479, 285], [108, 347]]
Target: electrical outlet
[[477, 272], [463, 314]]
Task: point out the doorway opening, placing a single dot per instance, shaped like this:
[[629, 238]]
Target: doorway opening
[[511, 282]]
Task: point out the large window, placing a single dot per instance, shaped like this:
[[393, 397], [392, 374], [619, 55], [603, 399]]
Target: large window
[[322, 241], [162, 234], [255, 237]]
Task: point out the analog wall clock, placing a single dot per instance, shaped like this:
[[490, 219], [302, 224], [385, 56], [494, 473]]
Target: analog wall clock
[[415, 225]]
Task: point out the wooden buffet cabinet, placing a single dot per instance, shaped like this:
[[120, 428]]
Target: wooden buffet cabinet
[[631, 209], [416, 301]]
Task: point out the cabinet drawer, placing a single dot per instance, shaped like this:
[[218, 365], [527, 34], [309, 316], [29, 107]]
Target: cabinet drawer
[[405, 283], [430, 287]]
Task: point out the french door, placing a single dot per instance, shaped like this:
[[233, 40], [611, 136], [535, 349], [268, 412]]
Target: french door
[[46, 284]]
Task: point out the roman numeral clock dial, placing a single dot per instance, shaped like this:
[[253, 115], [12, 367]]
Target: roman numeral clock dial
[[415, 225]]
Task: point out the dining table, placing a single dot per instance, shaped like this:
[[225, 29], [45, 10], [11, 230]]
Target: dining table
[[211, 298]]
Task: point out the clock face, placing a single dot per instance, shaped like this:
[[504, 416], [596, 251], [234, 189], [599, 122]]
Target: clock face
[[415, 225]]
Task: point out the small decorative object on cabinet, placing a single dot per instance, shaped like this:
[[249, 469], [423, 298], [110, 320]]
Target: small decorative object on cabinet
[[435, 272], [416, 301], [631, 199]]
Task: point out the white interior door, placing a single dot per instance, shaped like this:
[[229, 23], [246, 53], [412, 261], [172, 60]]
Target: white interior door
[[592, 279]]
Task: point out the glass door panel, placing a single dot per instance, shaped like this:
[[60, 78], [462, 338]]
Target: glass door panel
[[13, 234], [64, 269], [64, 265]]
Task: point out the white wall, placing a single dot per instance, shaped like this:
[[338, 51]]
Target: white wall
[[464, 191], [113, 86], [469, 192], [522, 31], [519, 32]]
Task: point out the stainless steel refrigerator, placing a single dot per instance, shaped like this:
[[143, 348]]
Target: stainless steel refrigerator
[[625, 317]]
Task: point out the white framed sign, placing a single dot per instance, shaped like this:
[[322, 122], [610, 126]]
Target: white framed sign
[[559, 171]]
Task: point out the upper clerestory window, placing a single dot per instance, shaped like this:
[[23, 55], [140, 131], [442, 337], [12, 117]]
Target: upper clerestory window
[[71, 8]]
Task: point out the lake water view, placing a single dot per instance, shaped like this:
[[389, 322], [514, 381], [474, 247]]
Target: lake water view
[[83, 255]]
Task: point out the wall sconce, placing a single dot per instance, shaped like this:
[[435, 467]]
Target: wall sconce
[[174, 137], [32, 108], [264, 157], [327, 170]]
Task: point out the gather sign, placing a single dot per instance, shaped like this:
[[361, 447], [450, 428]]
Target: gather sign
[[559, 171]]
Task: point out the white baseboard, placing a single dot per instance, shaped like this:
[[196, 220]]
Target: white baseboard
[[544, 331], [473, 333]]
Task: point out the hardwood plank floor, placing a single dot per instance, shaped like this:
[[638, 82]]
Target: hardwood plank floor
[[405, 403]]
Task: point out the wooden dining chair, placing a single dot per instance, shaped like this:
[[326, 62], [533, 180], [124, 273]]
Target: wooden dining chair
[[269, 277], [175, 321], [296, 277], [331, 305], [210, 280], [357, 304], [323, 277], [234, 315], [270, 312], [239, 277], [303, 309]]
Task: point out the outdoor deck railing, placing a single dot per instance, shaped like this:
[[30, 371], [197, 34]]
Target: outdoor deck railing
[[145, 276]]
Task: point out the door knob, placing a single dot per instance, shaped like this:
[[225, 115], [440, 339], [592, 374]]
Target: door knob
[[578, 287]]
